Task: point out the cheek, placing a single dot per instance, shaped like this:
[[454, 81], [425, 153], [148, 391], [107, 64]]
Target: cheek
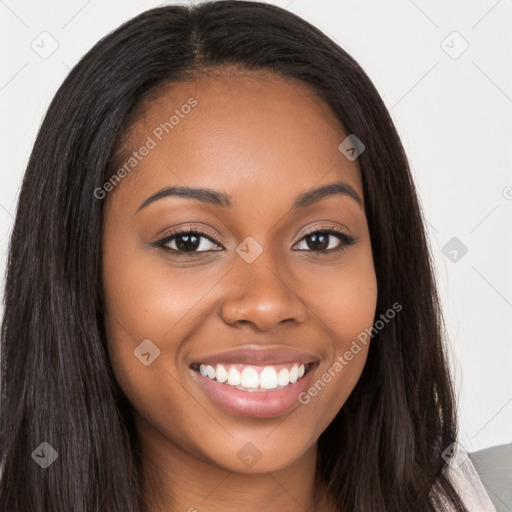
[[144, 299], [348, 305], [344, 299], [346, 311]]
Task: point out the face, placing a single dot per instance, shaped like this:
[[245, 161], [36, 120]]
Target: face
[[221, 336]]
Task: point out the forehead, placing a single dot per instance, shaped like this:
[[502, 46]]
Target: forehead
[[249, 133]]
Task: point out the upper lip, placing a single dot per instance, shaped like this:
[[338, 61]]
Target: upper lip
[[260, 356]]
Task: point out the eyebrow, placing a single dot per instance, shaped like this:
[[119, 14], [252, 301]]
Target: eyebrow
[[216, 198]]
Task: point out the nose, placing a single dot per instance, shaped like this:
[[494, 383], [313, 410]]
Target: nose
[[260, 295]]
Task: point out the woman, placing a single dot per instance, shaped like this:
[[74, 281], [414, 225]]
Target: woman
[[219, 292]]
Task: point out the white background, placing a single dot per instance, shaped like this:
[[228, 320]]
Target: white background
[[453, 114]]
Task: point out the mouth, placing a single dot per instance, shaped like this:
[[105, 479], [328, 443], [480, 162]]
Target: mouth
[[251, 378], [255, 383]]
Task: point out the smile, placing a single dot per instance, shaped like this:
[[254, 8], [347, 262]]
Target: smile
[[253, 378], [255, 381]]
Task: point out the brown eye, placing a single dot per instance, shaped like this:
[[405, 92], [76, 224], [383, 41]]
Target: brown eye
[[187, 241], [192, 241], [327, 240]]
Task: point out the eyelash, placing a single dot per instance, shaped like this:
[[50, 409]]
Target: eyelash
[[345, 240]]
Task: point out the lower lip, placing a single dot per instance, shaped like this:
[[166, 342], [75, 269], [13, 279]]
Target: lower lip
[[255, 404]]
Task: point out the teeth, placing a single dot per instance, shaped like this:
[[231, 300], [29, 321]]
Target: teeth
[[221, 373], [249, 378], [211, 372], [268, 378], [294, 373], [233, 377], [284, 377]]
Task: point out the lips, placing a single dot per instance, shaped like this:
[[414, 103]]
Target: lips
[[255, 382], [258, 357]]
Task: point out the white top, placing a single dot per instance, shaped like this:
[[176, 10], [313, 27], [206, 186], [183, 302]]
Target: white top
[[465, 479]]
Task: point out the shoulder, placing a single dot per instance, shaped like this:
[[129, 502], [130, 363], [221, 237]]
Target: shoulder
[[465, 479]]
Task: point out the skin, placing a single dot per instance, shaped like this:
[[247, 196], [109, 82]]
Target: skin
[[261, 139]]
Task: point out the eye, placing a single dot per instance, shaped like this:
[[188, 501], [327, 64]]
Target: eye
[[326, 240], [186, 241]]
